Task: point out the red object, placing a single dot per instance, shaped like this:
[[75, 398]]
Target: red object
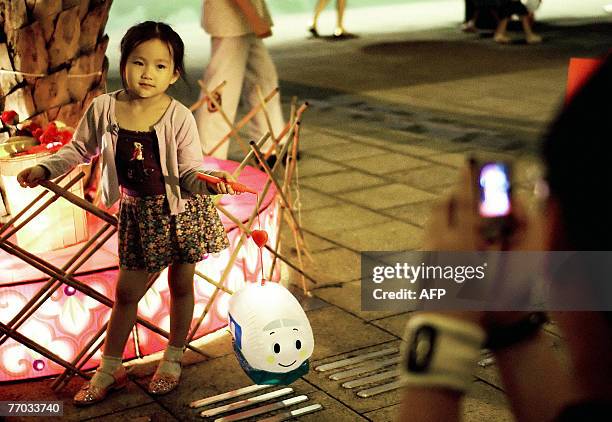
[[9, 117], [238, 187], [260, 237], [578, 73]]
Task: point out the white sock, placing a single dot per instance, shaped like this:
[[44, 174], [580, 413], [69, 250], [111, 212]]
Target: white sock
[[171, 362], [104, 374]]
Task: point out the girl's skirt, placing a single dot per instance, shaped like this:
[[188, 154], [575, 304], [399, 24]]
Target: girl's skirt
[[150, 238]]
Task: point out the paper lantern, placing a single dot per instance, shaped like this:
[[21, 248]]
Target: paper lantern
[[62, 223], [272, 336]]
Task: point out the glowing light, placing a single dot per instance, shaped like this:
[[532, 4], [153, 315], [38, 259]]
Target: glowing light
[[67, 321], [62, 223], [11, 302]]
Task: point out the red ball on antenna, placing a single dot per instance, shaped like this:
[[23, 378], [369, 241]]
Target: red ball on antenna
[[260, 237]]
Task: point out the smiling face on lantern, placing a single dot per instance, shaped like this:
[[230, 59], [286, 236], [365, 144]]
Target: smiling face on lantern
[[287, 344]]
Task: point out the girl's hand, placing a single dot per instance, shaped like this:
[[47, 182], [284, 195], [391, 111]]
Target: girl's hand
[[222, 187], [32, 176]]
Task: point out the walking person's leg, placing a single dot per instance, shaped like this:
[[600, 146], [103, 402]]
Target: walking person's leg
[[261, 71], [320, 6], [530, 36], [227, 63], [340, 6]]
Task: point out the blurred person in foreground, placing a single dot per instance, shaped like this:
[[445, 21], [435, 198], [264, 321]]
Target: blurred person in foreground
[[574, 216]]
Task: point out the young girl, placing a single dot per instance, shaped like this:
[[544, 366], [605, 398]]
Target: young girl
[[151, 154]]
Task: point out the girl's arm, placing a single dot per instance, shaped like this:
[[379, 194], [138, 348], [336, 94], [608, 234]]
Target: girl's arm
[[81, 149], [190, 158]]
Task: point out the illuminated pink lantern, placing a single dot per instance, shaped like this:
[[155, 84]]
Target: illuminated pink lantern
[[63, 312]]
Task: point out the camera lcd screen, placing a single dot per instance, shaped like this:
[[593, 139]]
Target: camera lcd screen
[[494, 184]]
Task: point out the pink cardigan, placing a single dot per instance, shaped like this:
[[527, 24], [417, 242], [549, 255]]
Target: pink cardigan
[[179, 149]]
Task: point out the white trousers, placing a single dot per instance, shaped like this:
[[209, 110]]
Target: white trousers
[[244, 62]]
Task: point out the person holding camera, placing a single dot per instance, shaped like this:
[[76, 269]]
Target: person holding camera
[[442, 347]]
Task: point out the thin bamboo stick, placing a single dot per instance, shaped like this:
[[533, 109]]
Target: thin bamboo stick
[[23, 211], [264, 111], [51, 270], [30, 344], [53, 284], [286, 130], [249, 156], [48, 202], [230, 263], [64, 376], [281, 257], [80, 202], [226, 119], [213, 282], [243, 121], [264, 165], [202, 100], [67, 374]]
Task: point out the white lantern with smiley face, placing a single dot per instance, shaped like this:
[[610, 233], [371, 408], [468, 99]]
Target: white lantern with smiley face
[[272, 336]]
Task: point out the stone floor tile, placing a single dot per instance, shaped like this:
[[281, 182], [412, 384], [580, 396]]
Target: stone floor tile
[[347, 333], [333, 409], [347, 296], [311, 166], [417, 213], [331, 266], [314, 242], [335, 389], [312, 200], [427, 177], [454, 159], [342, 182], [346, 151], [395, 324], [385, 163], [206, 379], [387, 196], [340, 217], [388, 236], [314, 139], [149, 412], [130, 397]]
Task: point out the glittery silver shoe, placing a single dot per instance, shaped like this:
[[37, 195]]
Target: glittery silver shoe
[[163, 383], [91, 394]]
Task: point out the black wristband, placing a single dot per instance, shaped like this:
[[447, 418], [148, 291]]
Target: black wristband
[[501, 336]]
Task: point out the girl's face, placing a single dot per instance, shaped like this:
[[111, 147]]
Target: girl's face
[[149, 69]]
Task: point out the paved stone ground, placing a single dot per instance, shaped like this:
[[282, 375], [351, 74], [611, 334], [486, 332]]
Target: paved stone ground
[[391, 120]]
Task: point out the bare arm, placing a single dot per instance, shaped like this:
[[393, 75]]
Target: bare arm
[[429, 405]]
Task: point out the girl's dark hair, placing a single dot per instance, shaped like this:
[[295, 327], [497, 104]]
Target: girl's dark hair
[[150, 30]]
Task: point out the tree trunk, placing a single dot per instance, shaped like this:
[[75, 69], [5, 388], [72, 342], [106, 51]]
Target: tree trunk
[[58, 49]]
